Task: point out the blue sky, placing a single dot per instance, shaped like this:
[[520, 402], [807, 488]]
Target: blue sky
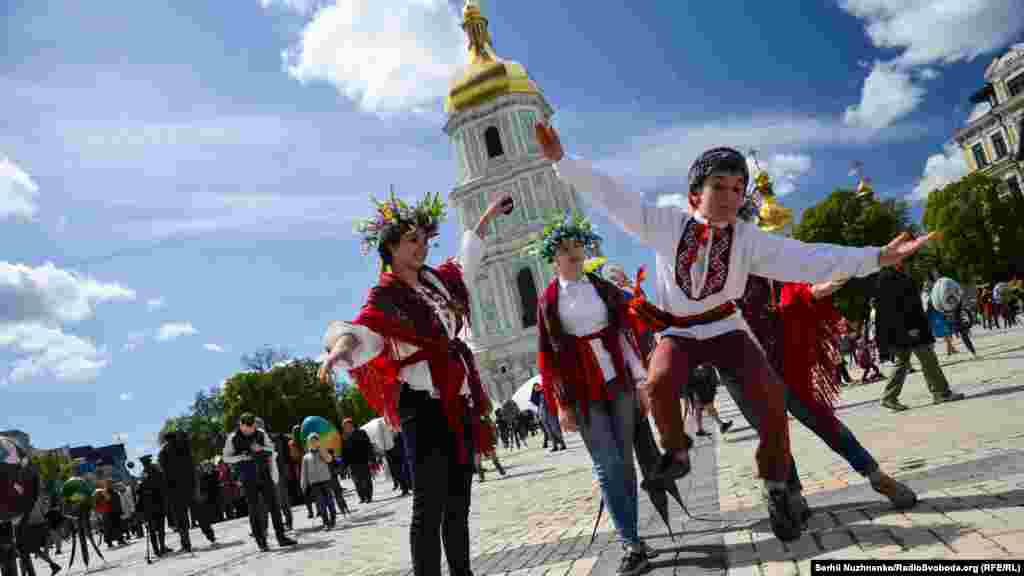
[[178, 180]]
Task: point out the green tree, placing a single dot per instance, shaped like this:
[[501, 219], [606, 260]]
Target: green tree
[[54, 468], [849, 220], [981, 227], [352, 404], [282, 396]]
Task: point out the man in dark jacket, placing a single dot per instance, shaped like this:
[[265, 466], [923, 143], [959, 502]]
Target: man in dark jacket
[[358, 452], [183, 488], [901, 328], [153, 505], [253, 452]]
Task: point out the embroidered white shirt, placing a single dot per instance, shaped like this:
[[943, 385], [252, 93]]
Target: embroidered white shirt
[[582, 313], [371, 344], [753, 251]]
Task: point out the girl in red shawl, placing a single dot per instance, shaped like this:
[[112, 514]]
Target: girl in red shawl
[[405, 352], [589, 362]]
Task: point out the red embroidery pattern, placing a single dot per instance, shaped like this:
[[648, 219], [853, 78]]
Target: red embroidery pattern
[[718, 267], [694, 236]]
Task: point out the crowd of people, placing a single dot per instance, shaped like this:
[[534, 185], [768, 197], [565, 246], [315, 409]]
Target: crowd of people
[[735, 303]]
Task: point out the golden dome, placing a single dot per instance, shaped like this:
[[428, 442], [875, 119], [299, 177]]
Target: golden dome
[[486, 76], [774, 217]]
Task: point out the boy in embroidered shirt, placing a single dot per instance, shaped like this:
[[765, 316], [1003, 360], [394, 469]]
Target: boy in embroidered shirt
[[705, 256]]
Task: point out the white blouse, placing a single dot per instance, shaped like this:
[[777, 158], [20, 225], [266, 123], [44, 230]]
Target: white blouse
[[582, 312], [371, 344], [753, 251]]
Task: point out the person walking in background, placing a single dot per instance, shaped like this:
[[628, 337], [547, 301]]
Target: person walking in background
[[358, 453], [701, 397], [315, 480], [253, 452], [336, 489], [902, 327], [153, 505], [548, 417]]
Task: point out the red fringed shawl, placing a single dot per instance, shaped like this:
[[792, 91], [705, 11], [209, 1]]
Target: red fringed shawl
[[394, 311], [568, 367], [810, 349]]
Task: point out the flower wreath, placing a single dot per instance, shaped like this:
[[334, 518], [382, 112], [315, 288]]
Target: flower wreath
[[427, 214], [560, 227]]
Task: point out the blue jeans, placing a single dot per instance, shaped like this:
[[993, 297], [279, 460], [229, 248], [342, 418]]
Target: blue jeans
[[550, 422], [843, 442], [321, 493], [608, 436]]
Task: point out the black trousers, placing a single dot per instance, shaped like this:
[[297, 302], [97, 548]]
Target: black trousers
[[441, 485], [157, 533], [362, 479], [261, 496], [396, 462]]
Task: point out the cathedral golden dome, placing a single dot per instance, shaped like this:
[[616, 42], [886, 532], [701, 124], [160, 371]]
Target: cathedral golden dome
[[486, 76], [774, 217]]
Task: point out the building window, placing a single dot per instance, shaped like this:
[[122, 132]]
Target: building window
[[493, 142], [999, 145], [527, 297], [979, 155], [1016, 85]]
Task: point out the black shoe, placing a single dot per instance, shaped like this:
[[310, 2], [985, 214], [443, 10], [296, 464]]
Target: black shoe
[[284, 541], [263, 545], [950, 397], [671, 469], [785, 520], [725, 427], [54, 569], [894, 405], [703, 433], [633, 563]]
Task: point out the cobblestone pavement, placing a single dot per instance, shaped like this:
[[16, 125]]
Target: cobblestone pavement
[[964, 459]]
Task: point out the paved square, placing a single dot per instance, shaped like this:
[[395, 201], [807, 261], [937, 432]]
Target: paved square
[[964, 459]]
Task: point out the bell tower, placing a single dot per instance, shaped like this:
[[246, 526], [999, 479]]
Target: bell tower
[[492, 107]]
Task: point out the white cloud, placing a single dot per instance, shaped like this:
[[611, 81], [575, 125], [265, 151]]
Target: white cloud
[[664, 157], [17, 191], [155, 303], [979, 110], [680, 200], [125, 396], [387, 56], [48, 294], [930, 34], [888, 95], [213, 347], [938, 31], [785, 170], [35, 303], [48, 351], [172, 330], [940, 170]]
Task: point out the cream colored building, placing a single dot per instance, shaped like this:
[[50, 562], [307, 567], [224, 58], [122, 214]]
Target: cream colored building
[[492, 108], [991, 141]]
